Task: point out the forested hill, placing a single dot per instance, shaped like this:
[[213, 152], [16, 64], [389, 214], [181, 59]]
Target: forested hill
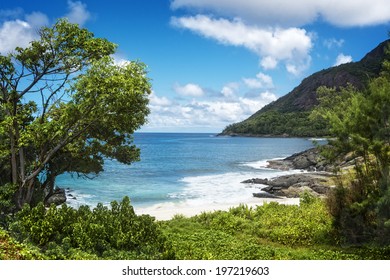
[[289, 115]]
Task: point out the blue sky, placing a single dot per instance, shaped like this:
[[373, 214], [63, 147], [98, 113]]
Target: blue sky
[[214, 62]]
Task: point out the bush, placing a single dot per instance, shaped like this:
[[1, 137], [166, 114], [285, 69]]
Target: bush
[[293, 225], [270, 231], [116, 232], [10, 249]]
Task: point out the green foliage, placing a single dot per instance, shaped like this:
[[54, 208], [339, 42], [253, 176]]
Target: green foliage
[[360, 125], [89, 108], [10, 249], [7, 193], [306, 224], [279, 123], [271, 231], [114, 233]]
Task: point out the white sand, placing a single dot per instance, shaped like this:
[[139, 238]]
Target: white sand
[[166, 211]]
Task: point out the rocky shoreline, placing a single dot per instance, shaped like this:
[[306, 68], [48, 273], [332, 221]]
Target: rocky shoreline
[[315, 176]]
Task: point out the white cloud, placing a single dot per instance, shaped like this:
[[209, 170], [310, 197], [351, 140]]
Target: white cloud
[[19, 33], [261, 81], [272, 45], [37, 20], [295, 13], [192, 90], [16, 33], [333, 42], [342, 58], [268, 62], [120, 60], [213, 114], [230, 90], [154, 100], [78, 12]]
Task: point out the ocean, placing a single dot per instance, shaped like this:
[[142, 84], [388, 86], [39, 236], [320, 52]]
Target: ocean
[[196, 168]]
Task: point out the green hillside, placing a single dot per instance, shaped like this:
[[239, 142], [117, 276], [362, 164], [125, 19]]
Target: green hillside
[[289, 115]]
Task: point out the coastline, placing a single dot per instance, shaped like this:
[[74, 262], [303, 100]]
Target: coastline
[[166, 211], [309, 173]]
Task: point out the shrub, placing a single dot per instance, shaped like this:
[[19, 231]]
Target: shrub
[[292, 225], [115, 232]]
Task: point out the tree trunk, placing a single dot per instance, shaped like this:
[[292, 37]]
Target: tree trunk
[[25, 194], [48, 185], [14, 163]]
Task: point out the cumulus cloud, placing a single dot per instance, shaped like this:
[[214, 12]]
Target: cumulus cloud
[[192, 90], [19, 29], [342, 58], [261, 81], [154, 100], [230, 90], [272, 45], [213, 113], [19, 33], [78, 12], [295, 13]]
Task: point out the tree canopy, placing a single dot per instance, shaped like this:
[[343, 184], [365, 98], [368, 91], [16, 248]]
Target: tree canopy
[[65, 106]]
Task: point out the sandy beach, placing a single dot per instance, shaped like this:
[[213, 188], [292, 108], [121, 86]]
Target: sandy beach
[[166, 211]]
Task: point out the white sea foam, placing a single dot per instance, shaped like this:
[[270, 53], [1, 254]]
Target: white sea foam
[[213, 192], [76, 199], [318, 139], [223, 188], [219, 188], [261, 164]]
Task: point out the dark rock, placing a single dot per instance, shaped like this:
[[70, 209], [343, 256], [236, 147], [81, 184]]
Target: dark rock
[[265, 195], [310, 160], [295, 184], [256, 181], [58, 197], [280, 165]]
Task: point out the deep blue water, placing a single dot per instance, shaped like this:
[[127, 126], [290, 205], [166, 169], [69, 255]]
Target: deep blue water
[[176, 167]]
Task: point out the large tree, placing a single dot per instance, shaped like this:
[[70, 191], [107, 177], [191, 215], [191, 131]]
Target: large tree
[[65, 106]]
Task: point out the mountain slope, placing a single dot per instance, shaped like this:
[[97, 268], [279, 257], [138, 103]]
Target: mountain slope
[[288, 116]]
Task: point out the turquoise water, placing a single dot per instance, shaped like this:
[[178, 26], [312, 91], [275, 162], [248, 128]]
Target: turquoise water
[[176, 167]]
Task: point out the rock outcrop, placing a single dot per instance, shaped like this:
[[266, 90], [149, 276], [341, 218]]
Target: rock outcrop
[[293, 185], [58, 197], [310, 160]]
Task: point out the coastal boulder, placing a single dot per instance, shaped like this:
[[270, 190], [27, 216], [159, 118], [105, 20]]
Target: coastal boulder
[[256, 181], [58, 197]]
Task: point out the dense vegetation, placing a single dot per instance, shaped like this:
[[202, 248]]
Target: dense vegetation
[[275, 123], [290, 114], [107, 102], [101, 233], [360, 123], [271, 231]]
